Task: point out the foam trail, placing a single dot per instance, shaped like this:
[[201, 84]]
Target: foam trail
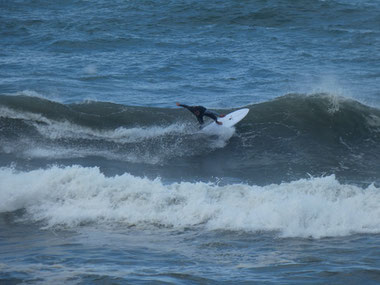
[[64, 130], [54, 129], [74, 196], [13, 114]]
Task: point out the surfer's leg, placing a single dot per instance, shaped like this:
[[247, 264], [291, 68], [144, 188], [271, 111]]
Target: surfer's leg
[[211, 115]]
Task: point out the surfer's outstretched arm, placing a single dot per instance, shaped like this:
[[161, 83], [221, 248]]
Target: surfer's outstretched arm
[[183, 105]]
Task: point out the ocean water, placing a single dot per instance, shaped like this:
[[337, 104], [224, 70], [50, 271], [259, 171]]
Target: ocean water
[[103, 180]]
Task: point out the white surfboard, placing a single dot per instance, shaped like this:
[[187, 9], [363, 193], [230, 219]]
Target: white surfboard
[[229, 120]]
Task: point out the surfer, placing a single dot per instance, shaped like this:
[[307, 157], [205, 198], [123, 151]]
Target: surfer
[[200, 111]]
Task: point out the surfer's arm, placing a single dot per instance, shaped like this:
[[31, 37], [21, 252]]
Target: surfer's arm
[[183, 105]]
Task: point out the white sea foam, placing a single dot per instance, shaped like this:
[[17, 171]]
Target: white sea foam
[[52, 95], [13, 114], [59, 130], [75, 196]]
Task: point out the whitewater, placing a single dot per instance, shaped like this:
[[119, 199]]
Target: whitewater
[[74, 196]]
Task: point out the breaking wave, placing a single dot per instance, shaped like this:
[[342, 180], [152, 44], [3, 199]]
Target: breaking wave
[[72, 197], [286, 137]]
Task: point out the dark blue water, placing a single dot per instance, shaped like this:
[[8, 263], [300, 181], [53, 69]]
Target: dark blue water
[[103, 180], [217, 53]]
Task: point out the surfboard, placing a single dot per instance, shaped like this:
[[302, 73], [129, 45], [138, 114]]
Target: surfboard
[[229, 120]]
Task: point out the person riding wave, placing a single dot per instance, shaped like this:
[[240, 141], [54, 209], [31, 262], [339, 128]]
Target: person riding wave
[[200, 112]]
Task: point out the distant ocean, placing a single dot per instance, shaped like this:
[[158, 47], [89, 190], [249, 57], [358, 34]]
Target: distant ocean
[[103, 180]]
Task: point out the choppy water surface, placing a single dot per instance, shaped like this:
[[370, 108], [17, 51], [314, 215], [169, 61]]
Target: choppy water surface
[[104, 181]]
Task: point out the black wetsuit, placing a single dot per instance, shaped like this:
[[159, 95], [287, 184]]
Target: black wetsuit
[[200, 111]]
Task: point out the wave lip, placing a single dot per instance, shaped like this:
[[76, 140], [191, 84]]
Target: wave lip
[[75, 196]]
